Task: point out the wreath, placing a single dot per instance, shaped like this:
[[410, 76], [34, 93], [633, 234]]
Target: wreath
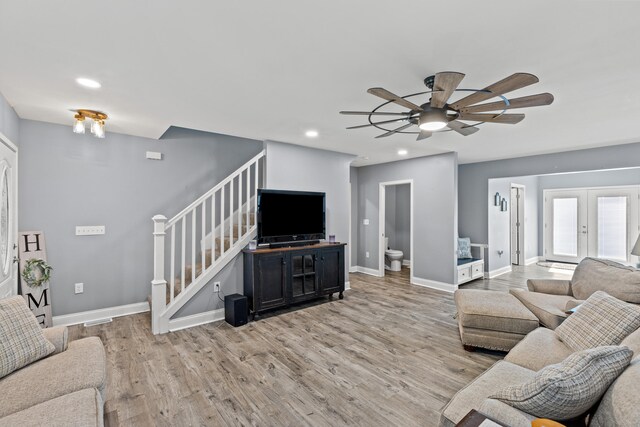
[[36, 272]]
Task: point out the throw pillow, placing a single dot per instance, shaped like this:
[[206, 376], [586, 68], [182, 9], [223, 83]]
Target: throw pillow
[[21, 338], [464, 248], [600, 320], [569, 388]]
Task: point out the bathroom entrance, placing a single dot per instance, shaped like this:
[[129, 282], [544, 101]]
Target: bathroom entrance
[[396, 225]]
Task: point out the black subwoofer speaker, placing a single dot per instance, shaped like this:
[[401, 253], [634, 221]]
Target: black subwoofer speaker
[[236, 309]]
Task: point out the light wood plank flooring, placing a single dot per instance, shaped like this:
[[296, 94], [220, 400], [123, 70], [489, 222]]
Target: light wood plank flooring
[[388, 354]]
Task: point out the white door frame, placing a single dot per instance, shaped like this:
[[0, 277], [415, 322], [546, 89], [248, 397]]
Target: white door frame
[[13, 225], [381, 221], [521, 219]]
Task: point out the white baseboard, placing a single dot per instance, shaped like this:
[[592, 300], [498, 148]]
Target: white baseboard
[[353, 269], [196, 320], [347, 286], [434, 284], [369, 271], [406, 262], [100, 314], [532, 260], [499, 271]]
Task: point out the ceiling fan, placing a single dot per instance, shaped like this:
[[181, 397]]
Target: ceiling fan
[[438, 114]]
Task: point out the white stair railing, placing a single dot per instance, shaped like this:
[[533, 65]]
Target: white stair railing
[[225, 218]]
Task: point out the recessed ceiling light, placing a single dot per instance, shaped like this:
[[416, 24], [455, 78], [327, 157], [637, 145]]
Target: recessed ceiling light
[[311, 133], [402, 152], [88, 83]]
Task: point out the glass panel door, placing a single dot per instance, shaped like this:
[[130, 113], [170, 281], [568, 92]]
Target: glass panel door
[[565, 227], [565, 223]]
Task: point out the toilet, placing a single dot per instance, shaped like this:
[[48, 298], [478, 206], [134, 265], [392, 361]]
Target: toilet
[[393, 258]]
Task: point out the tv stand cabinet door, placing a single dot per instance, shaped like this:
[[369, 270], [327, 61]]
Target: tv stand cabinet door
[[332, 266], [271, 273]]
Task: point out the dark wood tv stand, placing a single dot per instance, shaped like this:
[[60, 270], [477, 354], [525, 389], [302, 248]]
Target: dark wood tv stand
[[281, 277]]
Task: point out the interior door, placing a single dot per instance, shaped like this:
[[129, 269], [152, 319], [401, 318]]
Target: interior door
[[565, 228], [613, 222], [8, 217]]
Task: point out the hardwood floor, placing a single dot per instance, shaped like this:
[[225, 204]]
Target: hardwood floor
[[390, 356]]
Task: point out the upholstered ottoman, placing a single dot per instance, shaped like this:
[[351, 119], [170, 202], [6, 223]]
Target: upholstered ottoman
[[491, 319]]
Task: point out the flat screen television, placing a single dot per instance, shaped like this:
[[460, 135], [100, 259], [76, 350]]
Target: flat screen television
[[290, 216]]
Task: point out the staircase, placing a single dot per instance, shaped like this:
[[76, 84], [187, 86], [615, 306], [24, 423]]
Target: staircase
[[191, 248]]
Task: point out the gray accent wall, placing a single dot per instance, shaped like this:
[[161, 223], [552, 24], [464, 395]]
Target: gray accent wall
[[293, 167], [435, 211], [473, 188], [68, 180], [9, 121], [500, 222]]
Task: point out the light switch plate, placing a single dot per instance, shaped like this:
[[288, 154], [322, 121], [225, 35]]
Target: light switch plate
[[154, 155], [90, 230], [79, 288], [365, 221]]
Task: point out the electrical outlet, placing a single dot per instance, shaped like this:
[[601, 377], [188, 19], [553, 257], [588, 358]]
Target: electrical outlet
[[79, 288], [366, 254], [216, 287]]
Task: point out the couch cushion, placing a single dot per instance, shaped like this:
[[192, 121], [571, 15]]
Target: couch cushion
[[81, 366], [633, 342], [81, 408], [493, 310], [539, 349], [489, 382], [568, 389], [549, 309], [620, 405], [21, 338], [617, 280], [600, 320]]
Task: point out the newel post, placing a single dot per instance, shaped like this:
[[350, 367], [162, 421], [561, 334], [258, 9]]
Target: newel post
[[158, 284]]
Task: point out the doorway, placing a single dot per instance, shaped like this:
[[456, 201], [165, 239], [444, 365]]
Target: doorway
[[517, 224], [8, 217], [395, 223], [590, 222]]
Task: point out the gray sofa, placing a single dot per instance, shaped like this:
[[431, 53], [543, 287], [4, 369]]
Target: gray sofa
[[67, 388], [548, 300]]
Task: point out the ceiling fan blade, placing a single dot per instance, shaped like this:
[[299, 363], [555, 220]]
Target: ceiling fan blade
[[444, 85], [461, 128], [525, 101], [510, 119], [372, 113], [511, 83], [391, 132], [424, 134], [376, 123], [385, 94]]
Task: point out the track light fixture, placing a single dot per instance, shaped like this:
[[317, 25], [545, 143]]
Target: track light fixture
[[97, 122]]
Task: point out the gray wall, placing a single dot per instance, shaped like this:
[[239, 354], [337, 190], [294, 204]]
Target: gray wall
[[500, 222], [9, 121], [353, 181], [473, 178], [397, 218], [435, 210], [292, 167], [403, 220], [68, 180]]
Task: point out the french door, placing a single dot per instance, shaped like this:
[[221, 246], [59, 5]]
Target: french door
[[597, 222]]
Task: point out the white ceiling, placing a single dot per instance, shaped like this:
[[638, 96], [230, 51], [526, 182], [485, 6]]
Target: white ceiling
[[273, 69]]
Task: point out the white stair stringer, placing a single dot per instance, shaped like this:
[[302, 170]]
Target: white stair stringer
[[207, 276]]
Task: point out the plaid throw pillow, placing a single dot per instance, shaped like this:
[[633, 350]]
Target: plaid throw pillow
[[21, 338], [568, 389], [600, 320]]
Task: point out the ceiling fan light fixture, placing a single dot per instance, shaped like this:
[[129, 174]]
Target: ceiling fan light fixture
[[433, 119]]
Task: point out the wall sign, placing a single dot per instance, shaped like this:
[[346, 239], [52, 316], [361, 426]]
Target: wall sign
[[31, 245]]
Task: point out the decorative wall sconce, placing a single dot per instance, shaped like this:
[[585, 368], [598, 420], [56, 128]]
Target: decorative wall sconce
[[97, 126], [497, 199], [503, 205]]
